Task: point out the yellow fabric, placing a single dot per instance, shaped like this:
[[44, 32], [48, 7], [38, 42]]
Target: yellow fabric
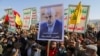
[[18, 20], [76, 16]]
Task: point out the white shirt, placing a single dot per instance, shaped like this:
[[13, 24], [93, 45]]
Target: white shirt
[[37, 53]]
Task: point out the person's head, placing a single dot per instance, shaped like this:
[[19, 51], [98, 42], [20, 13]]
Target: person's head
[[13, 39], [74, 35], [91, 49], [31, 40], [25, 32], [5, 40], [1, 39], [62, 44], [53, 44], [18, 31], [18, 36], [50, 14]]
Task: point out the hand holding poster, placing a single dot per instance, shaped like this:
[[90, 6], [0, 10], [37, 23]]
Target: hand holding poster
[[51, 23]]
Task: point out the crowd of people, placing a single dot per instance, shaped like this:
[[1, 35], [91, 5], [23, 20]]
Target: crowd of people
[[25, 43]]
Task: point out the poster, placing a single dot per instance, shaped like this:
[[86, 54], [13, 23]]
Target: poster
[[11, 26], [65, 18], [81, 27], [26, 18], [34, 16], [51, 25]]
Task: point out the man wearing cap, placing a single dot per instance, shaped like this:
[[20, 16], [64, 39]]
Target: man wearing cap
[[91, 50], [52, 28]]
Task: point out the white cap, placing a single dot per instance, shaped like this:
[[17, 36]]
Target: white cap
[[93, 47]]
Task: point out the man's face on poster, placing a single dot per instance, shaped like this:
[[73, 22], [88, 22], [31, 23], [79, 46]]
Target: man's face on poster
[[50, 16]]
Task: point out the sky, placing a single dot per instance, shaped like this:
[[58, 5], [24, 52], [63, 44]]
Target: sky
[[19, 5]]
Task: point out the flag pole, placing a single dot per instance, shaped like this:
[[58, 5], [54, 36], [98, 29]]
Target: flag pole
[[76, 39], [77, 43], [74, 27], [48, 48]]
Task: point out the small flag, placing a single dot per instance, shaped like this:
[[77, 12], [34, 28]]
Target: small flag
[[6, 19], [18, 20], [76, 15]]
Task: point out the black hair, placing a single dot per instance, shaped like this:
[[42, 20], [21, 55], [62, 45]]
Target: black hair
[[9, 46]]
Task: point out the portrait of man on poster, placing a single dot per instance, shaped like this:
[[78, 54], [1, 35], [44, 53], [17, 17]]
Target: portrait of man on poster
[[52, 27]]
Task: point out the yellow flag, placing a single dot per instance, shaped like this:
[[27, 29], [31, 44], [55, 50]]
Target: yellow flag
[[76, 15], [18, 20]]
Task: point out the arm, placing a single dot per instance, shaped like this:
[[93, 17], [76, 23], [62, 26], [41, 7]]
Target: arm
[[15, 52]]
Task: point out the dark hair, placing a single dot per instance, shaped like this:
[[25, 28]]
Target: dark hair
[[72, 49], [30, 38], [9, 46]]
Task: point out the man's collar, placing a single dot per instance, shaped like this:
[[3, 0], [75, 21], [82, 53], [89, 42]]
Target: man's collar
[[52, 24]]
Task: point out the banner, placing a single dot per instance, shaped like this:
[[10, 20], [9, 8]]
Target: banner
[[51, 26], [11, 26], [81, 27], [34, 16], [65, 18], [26, 18]]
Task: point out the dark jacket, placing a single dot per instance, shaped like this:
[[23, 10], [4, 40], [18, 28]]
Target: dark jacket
[[62, 52]]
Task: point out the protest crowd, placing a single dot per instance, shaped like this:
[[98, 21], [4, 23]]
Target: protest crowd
[[25, 43]]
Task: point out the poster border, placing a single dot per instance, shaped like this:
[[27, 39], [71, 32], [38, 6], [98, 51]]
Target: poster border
[[62, 38], [88, 7]]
